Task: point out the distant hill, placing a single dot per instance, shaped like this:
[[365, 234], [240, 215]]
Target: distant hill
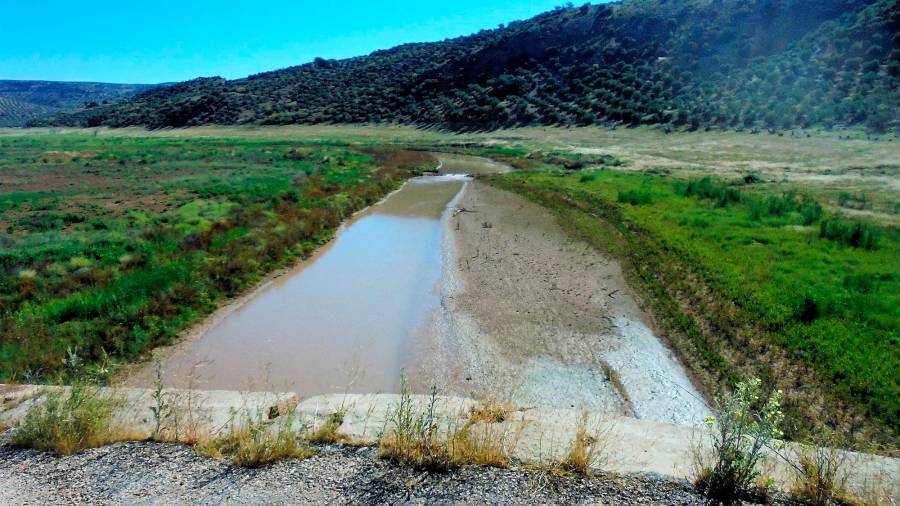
[[23, 101], [684, 63]]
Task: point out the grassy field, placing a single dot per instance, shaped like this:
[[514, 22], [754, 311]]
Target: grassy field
[[112, 245], [824, 289]]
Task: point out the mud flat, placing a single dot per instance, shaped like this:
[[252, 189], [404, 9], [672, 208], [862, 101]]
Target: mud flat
[[529, 315]]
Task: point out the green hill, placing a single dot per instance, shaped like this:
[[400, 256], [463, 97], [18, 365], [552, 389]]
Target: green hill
[[684, 63], [24, 101]]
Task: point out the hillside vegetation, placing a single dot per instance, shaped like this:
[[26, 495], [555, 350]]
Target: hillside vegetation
[[24, 101], [685, 63], [112, 246]]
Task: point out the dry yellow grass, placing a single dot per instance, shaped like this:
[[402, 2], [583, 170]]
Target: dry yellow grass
[[328, 432], [490, 411], [257, 442]]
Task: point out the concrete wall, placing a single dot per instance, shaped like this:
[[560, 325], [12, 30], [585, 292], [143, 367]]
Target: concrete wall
[[627, 445]]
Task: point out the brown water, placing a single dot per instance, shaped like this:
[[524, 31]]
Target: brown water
[[347, 319]]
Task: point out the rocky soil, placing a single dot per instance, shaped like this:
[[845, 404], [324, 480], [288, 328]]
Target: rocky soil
[[153, 473]]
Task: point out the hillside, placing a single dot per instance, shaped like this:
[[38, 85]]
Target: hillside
[[23, 101], [688, 63]]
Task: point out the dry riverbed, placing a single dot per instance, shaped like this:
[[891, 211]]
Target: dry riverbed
[[532, 316]]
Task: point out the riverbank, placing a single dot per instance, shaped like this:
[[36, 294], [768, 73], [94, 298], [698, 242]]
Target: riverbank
[[531, 316]]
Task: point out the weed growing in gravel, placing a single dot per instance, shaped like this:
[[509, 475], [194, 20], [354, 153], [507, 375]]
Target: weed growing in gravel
[[414, 436], [258, 442], [747, 425], [68, 423]]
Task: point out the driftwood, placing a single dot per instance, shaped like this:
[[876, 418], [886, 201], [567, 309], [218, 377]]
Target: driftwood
[[462, 210]]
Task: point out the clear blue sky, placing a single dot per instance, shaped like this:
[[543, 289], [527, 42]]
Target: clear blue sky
[[152, 41]]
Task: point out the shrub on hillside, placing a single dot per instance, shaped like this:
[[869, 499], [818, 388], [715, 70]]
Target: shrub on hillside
[[857, 234]]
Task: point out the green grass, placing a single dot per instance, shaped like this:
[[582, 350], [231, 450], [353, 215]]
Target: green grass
[[113, 245], [832, 303]]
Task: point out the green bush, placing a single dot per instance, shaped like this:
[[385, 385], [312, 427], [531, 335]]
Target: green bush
[[747, 425], [636, 197], [857, 234], [706, 188]]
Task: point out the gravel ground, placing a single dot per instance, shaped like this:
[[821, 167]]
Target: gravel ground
[[153, 473]]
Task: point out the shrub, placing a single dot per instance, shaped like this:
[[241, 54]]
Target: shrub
[[636, 197], [67, 423], [706, 188], [857, 234], [746, 426]]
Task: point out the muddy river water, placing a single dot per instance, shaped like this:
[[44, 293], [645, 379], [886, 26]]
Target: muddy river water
[[342, 320]]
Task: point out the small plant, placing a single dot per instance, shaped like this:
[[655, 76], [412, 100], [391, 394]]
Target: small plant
[[490, 411], [329, 433], [412, 438], [67, 423], [258, 442], [746, 426], [487, 224], [481, 445], [162, 408], [821, 471], [586, 451]]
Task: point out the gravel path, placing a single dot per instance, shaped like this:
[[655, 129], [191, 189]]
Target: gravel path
[[153, 473]]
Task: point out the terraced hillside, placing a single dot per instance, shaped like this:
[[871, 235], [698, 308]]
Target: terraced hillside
[[24, 101], [684, 63]]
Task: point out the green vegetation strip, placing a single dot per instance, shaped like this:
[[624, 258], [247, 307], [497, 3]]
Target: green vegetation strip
[[824, 288], [113, 246]]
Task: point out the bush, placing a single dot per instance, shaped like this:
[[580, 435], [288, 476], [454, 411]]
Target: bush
[[857, 234], [636, 197], [747, 425], [68, 423], [706, 188]]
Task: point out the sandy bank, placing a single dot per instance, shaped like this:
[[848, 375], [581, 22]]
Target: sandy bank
[[532, 316]]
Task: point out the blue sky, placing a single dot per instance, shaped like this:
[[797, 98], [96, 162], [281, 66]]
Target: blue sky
[[163, 40]]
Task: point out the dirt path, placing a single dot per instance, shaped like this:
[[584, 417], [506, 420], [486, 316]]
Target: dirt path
[[531, 316]]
